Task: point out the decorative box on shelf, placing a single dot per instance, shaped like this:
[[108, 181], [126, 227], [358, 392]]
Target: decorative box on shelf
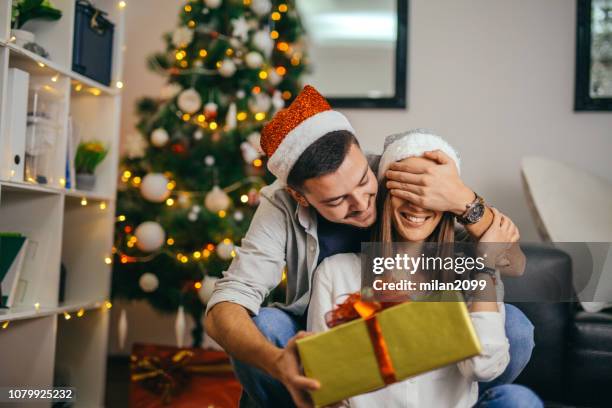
[[93, 43]]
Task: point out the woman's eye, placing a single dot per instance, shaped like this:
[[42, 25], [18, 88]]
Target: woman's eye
[[364, 182]]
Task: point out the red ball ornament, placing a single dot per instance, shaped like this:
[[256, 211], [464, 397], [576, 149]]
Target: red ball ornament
[[178, 148], [214, 35]]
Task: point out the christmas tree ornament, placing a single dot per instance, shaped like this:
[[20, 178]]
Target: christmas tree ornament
[[224, 249], [261, 7], [240, 94], [182, 37], [216, 200], [253, 197], [213, 4], [230, 118], [179, 327], [169, 91], [260, 102], [179, 148], [122, 328], [277, 101], [240, 29], [134, 146], [209, 160], [215, 137], [249, 153], [154, 187], [189, 101], [274, 78], [192, 216], [262, 41], [227, 68], [254, 138], [208, 286], [148, 282], [253, 59], [150, 236], [210, 110], [159, 137], [238, 215], [198, 134], [196, 209]]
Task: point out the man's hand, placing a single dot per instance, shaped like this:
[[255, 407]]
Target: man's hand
[[287, 370], [498, 239], [435, 185]]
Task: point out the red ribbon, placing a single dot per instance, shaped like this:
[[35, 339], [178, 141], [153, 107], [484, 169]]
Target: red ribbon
[[353, 308]]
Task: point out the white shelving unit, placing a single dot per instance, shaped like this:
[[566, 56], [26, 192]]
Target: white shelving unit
[[45, 342]]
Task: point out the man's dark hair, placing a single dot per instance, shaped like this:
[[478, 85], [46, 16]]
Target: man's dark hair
[[322, 157]]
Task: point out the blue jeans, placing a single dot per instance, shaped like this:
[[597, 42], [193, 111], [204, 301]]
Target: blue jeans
[[278, 327]]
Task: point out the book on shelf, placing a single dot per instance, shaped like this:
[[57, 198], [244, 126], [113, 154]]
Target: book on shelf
[[12, 254]]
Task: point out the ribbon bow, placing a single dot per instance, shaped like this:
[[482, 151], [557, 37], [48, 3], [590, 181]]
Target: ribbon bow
[[355, 307], [166, 376]]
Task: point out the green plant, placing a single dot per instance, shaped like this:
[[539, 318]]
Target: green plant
[[25, 10], [89, 155]]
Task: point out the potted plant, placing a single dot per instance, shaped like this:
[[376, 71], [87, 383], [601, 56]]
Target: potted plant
[[88, 156], [26, 10]]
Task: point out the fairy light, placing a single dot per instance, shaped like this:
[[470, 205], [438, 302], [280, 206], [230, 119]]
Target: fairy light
[[67, 316], [276, 16], [171, 185], [136, 180], [282, 46], [55, 78], [233, 253], [40, 64], [229, 52], [201, 118], [121, 218], [210, 247], [180, 55], [295, 61], [256, 90], [206, 253], [81, 312], [119, 84], [257, 163], [280, 70], [83, 201], [78, 87], [213, 125], [37, 306], [244, 198], [184, 259], [184, 64], [170, 241], [170, 202], [96, 91], [222, 214], [286, 95], [108, 304], [263, 74], [197, 254], [246, 2], [188, 8], [203, 53], [274, 34], [108, 260], [103, 205], [218, 64], [241, 116], [5, 324], [283, 8], [186, 117], [259, 116], [197, 285], [122, 4], [62, 181], [127, 174]]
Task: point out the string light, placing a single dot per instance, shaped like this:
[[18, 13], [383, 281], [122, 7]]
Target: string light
[[37, 306], [257, 162], [197, 254], [256, 90], [241, 116], [108, 260], [67, 316], [83, 201], [197, 285], [201, 118], [286, 95], [222, 214], [78, 87], [122, 4], [55, 78], [282, 8], [119, 84], [5, 324], [244, 198], [184, 259], [280, 70], [184, 64], [40, 64], [263, 74], [103, 205], [136, 180], [206, 253], [180, 55], [170, 241], [62, 180], [171, 185], [108, 304], [81, 312], [213, 125], [276, 16], [274, 34], [282, 46], [203, 53], [95, 91], [188, 8], [170, 202], [186, 117], [121, 218], [259, 116], [229, 52]]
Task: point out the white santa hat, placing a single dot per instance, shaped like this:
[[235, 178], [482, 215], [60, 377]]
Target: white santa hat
[[291, 131], [413, 143]]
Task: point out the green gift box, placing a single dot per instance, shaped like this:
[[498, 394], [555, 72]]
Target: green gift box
[[420, 337]]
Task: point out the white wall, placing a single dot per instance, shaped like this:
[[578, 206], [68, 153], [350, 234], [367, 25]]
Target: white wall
[[494, 77]]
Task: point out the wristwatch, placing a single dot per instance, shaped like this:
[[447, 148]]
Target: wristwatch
[[473, 211]]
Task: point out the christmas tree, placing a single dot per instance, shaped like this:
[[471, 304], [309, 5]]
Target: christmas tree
[[191, 175]]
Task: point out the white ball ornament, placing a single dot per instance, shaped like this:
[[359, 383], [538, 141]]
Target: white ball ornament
[[249, 153], [227, 68], [192, 216], [154, 187], [148, 282], [198, 134], [181, 37], [189, 101], [263, 42], [261, 7], [150, 236], [260, 102], [159, 137], [273, 78], [209, 160], [216, 200], [238, 216], [253, 59], [208, 286], [213, 4], [224, 249]]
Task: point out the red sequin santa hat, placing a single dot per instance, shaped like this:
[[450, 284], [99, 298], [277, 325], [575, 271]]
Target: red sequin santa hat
[[292, 130]]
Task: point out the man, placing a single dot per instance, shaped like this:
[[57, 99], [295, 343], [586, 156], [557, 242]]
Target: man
[[322, 204]]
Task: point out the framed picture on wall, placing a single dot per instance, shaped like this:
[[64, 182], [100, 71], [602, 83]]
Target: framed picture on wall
[[593, 56]]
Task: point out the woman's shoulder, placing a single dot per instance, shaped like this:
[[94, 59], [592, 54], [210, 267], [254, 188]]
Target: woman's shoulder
[[340, 267]]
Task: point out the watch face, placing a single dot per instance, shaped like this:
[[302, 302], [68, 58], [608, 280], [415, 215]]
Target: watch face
[[475, 213]]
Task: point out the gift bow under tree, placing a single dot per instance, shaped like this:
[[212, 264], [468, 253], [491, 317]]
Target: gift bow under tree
[[191, 175]]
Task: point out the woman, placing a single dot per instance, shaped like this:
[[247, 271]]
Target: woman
[[400, 220]]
